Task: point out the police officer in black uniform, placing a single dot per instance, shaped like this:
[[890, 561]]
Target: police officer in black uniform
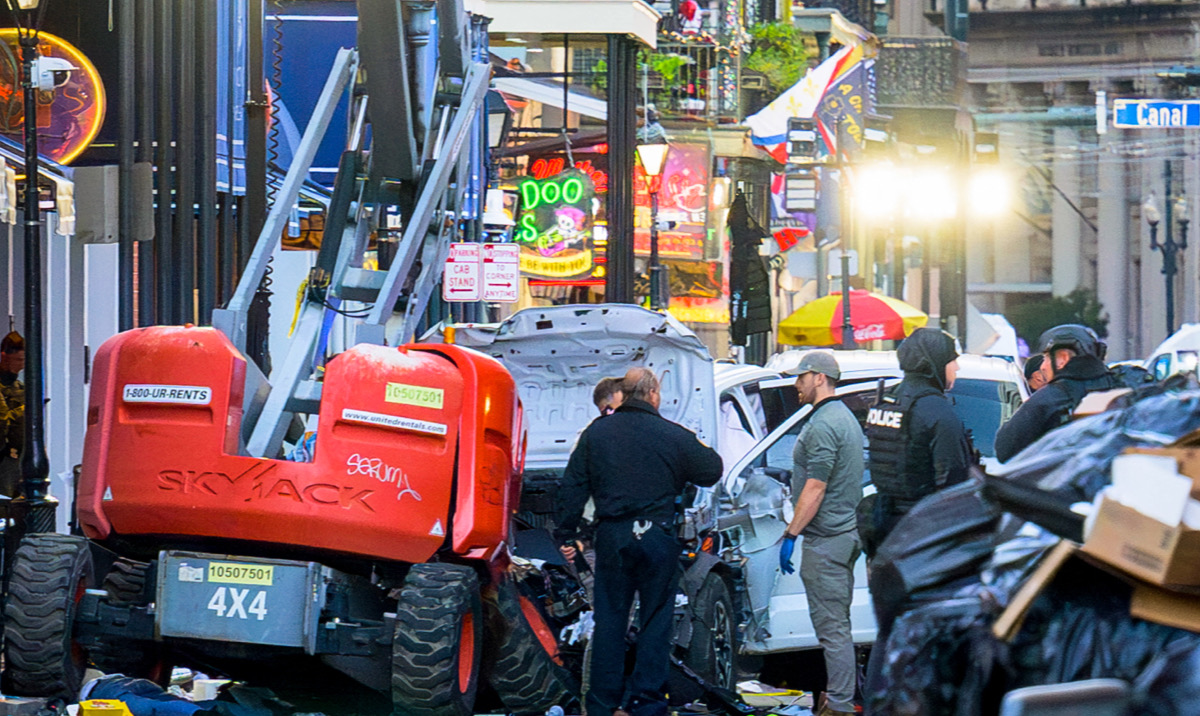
[[1073, 359], [635, 464], [918, 444]]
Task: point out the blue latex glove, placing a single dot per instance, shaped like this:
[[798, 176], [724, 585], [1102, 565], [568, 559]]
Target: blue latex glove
[[785, 554]]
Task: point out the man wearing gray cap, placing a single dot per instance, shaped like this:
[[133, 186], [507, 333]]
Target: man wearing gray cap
[[827, 484]]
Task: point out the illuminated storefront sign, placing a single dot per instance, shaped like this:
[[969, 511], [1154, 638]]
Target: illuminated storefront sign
[[546, 167], [554, 224], [69, 116], [682, 200]]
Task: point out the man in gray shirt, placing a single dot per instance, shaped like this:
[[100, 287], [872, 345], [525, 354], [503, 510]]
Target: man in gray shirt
[[827, 484]]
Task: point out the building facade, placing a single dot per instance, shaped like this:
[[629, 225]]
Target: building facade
[[1038, 70]]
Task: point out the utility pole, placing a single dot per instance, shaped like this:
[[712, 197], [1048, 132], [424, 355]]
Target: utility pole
[[36, 508], [846, 229]]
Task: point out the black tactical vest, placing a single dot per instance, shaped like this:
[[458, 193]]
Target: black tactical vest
[[893, 471]]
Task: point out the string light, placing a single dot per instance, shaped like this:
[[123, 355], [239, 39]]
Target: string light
[[740, 40]]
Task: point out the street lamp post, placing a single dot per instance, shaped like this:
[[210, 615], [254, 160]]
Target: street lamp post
[[653, 157], [1177, 211], [39, 507]]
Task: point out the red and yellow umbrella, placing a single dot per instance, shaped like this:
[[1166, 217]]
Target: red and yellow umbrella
[[873, 316]]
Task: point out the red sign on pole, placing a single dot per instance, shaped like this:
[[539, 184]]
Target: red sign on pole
[[501, 272], [460, 277]]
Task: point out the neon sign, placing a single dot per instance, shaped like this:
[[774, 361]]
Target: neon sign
[[536, 193], [69, 116], [546, 167], [554, 224]]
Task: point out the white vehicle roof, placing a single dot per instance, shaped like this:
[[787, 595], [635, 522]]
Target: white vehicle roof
[[557, 354], [1187, 338], [861, 365], [728, 375]]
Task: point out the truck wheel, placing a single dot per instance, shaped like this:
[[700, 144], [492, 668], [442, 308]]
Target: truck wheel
[[712, 651], [438, 642], [527, 672], [50, 574], [125, 584]]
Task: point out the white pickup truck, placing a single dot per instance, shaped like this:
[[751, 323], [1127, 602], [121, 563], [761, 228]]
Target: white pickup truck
[[733, 598]]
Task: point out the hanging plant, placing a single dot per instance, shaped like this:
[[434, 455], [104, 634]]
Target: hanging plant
[[667, 65], [599, 79], [780, 53]]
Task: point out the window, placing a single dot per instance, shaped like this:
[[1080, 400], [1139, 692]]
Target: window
[[778, 402], [779, 455], [1187, 361], [728, 402], [1162, 367], [859, 403], [983, 406]]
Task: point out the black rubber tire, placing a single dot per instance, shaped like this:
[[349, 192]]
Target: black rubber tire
[[435, 603], [125, 584], [712, 651], [50, 574], [524, 673]]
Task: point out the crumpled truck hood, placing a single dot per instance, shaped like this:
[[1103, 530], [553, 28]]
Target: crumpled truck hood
[[557, 355]]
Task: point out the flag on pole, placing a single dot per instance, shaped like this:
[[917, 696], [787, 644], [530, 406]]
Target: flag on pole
[[768, 128]]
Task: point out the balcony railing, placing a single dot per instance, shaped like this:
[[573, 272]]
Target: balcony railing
[[921, 72], [692, 89]]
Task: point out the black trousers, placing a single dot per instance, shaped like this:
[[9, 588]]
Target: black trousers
[[886, 512], [625, 565]]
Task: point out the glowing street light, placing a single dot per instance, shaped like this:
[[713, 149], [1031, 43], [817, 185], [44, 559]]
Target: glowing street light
[[988, 192], [884, 191], [878, 189], [653, 157]]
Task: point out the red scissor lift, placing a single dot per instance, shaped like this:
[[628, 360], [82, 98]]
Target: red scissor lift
[[383, 549]]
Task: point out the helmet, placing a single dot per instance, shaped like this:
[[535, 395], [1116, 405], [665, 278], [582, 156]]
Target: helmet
[[1075, 337]]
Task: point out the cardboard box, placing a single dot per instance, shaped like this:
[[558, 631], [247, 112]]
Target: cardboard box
[[1167, 555], [1148, 602], [1160, 606], [1098, 402], [1009, 622]]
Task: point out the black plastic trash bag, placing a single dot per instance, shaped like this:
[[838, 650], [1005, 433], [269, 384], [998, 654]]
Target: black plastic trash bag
[[1073, 461], [939, 660], [934, 550], [1079, 628], [1171, 683], [1030, 502]]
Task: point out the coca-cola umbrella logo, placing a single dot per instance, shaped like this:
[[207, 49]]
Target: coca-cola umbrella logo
[[872, 332], [873, 317]]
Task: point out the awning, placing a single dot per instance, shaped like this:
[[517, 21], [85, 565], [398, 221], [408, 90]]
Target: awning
[[551, 93], [571, 17], [580, 142]]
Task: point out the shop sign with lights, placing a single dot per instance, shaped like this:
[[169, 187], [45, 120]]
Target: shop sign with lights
[[554, 225], [683, 202], [69, 115]]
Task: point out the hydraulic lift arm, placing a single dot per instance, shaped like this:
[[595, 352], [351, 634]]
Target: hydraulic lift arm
[[422, 94]]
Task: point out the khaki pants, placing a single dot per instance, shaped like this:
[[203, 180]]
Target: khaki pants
[[827, 569]]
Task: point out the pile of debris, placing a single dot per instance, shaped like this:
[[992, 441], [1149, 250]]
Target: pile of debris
[[1080, 562]]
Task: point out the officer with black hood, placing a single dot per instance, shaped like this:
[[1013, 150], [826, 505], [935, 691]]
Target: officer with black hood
[[1074, 363], [918, 444]]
